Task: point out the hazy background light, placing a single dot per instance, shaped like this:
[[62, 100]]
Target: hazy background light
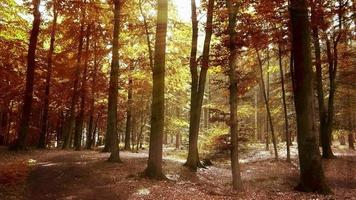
[[184, 9]]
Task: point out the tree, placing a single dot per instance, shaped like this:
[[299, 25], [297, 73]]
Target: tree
[[111, 132], [30, 73], [72, 111], [42, 140], [287, 135], [235, 167], [311, 171], [269, 116], [79, 124], [198, 84], [129, 111], [154, 166]]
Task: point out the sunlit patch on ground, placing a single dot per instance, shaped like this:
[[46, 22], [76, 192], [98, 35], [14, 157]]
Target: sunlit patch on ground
[[142, 192]]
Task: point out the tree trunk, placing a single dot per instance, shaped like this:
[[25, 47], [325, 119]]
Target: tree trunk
[[350, 136], [265, 90], [30, 73], [133, 134], [154, 166], [235, 167], [72, 117], [89, 143], [139, 137], [129, 112], [79, 126], [284, 102], [267, 105], [256, 116], [311, 171], [323, 115], [42, 139], [198, 86], [111, 130]]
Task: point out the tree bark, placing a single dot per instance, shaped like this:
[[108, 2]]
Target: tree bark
[[284, 103], [235, 167], [154, 165], [350, 136], [311, 171], [21, 142], [42, 139], [129, 112], [198, 85], [111, 130]]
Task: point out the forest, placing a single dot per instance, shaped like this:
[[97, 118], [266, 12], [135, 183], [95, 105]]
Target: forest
[[177, 99]]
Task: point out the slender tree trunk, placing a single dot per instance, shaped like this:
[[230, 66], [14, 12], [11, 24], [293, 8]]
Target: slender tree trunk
[[72, 118], [267, 106], [133, 134], [256, 116], [284, 102], [311, 171], [4, 120], [129, 112], [323, 115], [111, 130], [350, 137], [139, 138], [326, 135], [79, 127], [154, 166], [198, 86], [30, 75], [265, 89], [235, 167], [89, 143], [42, 139], [193, 156]]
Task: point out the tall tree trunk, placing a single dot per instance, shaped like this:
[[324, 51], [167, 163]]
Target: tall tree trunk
[[235, 167], [178, 134], [198, 86], [265, 90], [326, 135], [311, 171], [79, 127], [154, 166], [129, 111], [193, 156], [4, 120], [89, 143], [323, 115], [111, 130], [30, 75], [133, 134], [350, 137], [267, 105], [256, 116], [42, 139], [72, 118], [284, 102], [139, 137]]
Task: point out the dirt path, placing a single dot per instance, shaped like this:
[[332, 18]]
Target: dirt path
[[87, 175]]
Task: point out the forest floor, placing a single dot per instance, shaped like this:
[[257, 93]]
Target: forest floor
[[71, 175]]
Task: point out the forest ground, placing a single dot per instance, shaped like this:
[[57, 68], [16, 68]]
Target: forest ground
[[57, 174]]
